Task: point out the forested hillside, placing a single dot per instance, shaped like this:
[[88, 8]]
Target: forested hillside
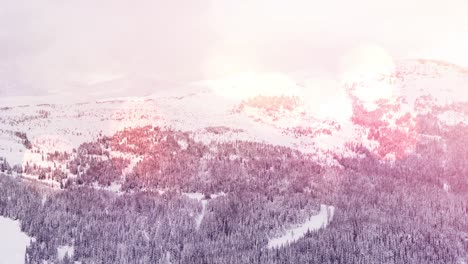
[[411, 210]]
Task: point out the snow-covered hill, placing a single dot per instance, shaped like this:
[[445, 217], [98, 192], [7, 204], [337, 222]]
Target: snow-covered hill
[[423, 91]]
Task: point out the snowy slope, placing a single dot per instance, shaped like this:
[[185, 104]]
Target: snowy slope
[[13, 242], [63, 251], [315, 222], [419, 87]]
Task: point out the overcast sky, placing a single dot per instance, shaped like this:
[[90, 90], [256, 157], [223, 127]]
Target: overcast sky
[[52, 46]]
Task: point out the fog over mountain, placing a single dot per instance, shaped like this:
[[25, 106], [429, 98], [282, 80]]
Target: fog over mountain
[[60, 48]]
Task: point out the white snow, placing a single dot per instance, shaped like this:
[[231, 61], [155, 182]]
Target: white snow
[[62, 251], [453, 118], [200, 217], [11, 148], [67, 126], [196, 107], [183, 144], [216, 195], [201, 196], [316, 222], [195, 195], [446, 187], [43, 200], [114, 187], [13, 242]]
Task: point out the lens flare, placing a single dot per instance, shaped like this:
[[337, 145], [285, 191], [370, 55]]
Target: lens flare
[[370, 69]]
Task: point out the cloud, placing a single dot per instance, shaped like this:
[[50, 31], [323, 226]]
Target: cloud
[[50, 44], [45, 46]]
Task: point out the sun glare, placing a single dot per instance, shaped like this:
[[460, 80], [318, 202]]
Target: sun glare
[[327, 99], [369, 66]]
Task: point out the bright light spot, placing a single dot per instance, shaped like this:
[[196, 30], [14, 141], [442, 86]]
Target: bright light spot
[[327, 99], [369, 68], [324, 99], [240, 78], [368, 61]]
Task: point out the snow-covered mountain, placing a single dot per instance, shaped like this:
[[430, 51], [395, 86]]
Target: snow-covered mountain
[[378, 158], [426, 94]]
